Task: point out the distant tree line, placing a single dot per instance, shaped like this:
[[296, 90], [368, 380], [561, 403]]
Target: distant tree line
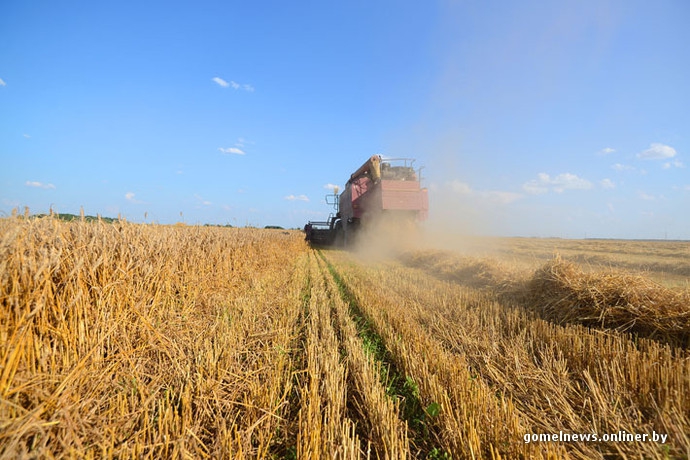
[[67, 217]]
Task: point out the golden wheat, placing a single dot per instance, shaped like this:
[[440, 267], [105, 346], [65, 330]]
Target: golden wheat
[[547, 377], [127, 340], [149, 341]]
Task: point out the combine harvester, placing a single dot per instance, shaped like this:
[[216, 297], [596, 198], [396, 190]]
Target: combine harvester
[[380, 190]]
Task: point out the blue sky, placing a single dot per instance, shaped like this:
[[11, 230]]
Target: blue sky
[[531, 118]]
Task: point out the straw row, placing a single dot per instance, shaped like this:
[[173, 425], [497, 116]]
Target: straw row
[[562, 292], [378, 412], [325, 430], [615, 300]]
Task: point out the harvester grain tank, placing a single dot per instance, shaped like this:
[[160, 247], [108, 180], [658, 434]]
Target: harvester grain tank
[[379, 189]]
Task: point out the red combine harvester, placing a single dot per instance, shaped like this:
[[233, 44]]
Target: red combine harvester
[[380, 188]]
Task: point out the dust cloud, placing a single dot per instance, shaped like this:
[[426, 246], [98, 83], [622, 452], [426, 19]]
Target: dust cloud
[[388, 236]]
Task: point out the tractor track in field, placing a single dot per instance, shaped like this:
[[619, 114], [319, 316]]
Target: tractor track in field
[[357, 330]]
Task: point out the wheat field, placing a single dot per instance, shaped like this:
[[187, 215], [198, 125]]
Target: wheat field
[[122, 340]]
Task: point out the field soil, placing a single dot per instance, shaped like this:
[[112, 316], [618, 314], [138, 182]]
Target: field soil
[[150, 341]]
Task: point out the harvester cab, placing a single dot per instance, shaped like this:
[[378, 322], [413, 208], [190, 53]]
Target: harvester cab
[[324, 232]]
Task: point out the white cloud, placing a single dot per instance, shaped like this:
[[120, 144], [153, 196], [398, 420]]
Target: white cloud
[[26, 136], [233, 84], [297, 198], [221, 82], [646, 197], [2, 82], [621, 167], [657, 152], [607, 183], [331, 186], [559, 183], [37, 184], [607, 151], [129, 196], [675, 163], [234, 150]]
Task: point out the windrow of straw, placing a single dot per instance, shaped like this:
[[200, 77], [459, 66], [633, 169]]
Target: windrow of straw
[[564, 293]]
